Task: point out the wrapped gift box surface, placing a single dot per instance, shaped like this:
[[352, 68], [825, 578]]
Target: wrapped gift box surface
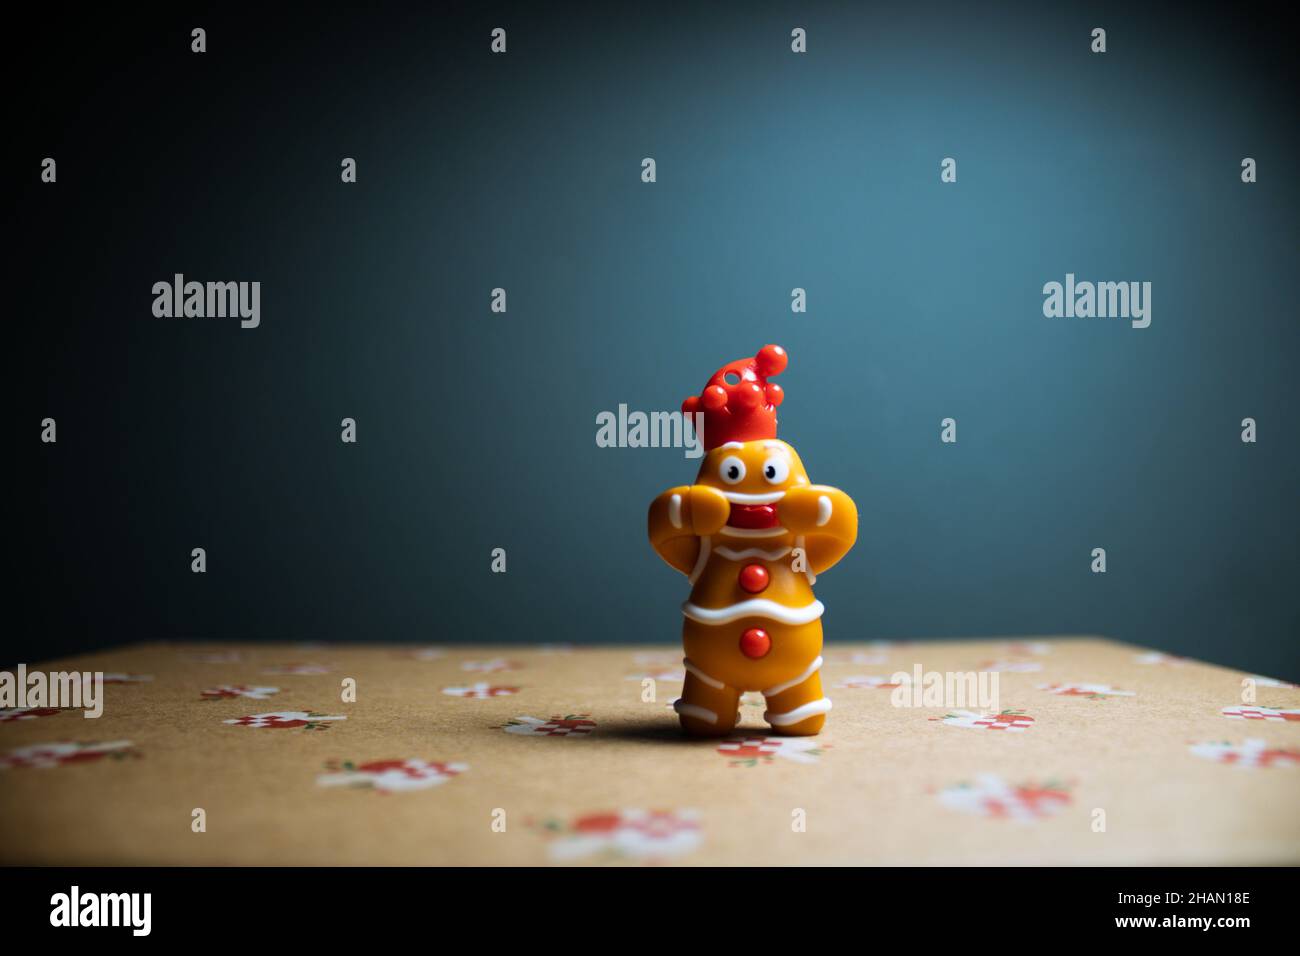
[[1096, 753]]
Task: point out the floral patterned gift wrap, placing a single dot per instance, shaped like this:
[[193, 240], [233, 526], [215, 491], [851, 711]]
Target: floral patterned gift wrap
[[1074, 751]]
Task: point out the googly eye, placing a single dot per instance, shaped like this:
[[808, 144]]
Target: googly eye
[[776, 470], [732, 469]]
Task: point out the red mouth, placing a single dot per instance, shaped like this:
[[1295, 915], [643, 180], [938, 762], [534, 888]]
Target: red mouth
[[752, 517]]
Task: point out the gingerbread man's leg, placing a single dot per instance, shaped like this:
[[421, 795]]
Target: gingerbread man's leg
[[707, 707], [797, 707]]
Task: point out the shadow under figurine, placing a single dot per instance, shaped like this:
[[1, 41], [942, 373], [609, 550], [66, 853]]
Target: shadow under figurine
[[751, 534]]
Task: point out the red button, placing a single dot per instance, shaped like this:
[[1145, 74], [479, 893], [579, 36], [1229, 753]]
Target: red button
[[753, 578], [755, 642]]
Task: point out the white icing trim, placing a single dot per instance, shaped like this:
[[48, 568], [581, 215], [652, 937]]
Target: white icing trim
[[711, 681], [823, 510], [808, 571], [766, 498], [675, 510], [731, 555], [695, 710], [755, 607], [798, 714], [702, 560], [813, 668], [732, 444], [754, 532]]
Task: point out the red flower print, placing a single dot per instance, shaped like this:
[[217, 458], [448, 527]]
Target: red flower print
[[1254, 712], [298, 669], [570, 725], [598, 823], [391, 776], [1249, 754], [1012, 720], [26, 713], [991, 796], [749, 750], [635, 834], [45, 756], [226, 691], [287, 719], [480, 691]]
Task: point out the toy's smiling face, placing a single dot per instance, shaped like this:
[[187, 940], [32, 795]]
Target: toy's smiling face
[[754, 475]]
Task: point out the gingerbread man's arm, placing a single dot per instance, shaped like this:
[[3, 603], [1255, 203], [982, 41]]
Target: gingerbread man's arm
[[680, 517], [827, 519]]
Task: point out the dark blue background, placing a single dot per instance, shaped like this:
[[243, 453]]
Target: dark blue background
[[775, 170]]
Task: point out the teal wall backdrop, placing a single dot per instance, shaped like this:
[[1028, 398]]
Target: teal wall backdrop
[[774, 170]]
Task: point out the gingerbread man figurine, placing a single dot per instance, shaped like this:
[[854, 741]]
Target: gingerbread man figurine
[[752, 534]]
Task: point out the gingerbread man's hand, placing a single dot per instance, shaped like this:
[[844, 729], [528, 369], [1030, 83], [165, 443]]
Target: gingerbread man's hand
[[691, 511], [802, 509], [826, 516], [680, 517], [709, 510]]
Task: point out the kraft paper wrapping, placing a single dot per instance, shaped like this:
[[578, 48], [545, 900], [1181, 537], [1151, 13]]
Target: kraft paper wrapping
[[1117, 755]]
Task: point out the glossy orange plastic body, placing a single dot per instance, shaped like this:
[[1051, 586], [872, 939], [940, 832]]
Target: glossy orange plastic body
[[752, 504]]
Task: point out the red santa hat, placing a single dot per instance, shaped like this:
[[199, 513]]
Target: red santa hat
[[738, 402]]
